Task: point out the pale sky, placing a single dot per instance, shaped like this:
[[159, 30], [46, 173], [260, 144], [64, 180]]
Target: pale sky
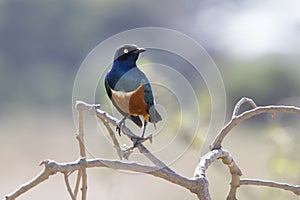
[[252, 28]]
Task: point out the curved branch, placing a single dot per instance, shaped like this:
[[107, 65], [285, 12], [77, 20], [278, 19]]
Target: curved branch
[[240, 103], [198, 184], [235, 120], [293, 188], [227, 159]]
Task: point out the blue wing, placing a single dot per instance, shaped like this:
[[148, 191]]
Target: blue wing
[[154, 116]]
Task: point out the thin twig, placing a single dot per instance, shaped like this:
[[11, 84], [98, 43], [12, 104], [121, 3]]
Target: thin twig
[[240, 103], [217, 143], [293, 188], [93, 109], [42, 176], [77, 184], [157, 162], [113, 138], [80, 135], [105, 118], [82, 151], [66, 177]]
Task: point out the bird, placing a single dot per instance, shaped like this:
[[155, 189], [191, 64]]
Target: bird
[[129, 89]]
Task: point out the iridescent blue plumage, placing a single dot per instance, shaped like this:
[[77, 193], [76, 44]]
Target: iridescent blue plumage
[[129, 88]]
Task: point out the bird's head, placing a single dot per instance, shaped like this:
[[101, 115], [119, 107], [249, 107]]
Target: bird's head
[[128, 53]]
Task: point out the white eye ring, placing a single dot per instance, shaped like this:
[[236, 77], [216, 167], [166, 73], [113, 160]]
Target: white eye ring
[[125, 50]]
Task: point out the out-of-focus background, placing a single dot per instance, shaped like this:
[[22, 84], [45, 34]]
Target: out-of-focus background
[[255, 45]]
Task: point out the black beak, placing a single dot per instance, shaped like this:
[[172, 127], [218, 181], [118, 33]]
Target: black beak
[[140, 50]]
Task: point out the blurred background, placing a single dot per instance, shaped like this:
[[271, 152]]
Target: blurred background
[[255, 45]]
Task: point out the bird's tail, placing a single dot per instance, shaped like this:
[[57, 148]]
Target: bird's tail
[[154, 116]]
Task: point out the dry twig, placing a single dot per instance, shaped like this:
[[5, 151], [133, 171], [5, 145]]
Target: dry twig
[[198, 184], [237, 119], [80, 139], [284, 186], [66, 177]]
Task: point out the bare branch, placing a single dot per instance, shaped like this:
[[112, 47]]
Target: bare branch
[[206, 161], [227, 159], [197, 185], [80, 133], [114, 139], [42, 176], [77, 184], [105, 118], [93, 109], [217, 143], [82, 150], [235, 175], [52, 167], [152, 158], [240, 103], [293, 188], [211, 157], [66, 177], [201, 188]]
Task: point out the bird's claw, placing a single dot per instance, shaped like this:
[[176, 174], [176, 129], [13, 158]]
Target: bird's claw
[[119, 126], [118, 130], [139, 140], [96, 106]]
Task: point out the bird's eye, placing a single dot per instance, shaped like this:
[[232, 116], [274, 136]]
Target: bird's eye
[[125, 50]]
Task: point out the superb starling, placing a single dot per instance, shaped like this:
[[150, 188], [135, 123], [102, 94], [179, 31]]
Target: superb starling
[[129, 89]]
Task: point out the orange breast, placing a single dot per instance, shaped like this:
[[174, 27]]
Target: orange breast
[[131, 102]]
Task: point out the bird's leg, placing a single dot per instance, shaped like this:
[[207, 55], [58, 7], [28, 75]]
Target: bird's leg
[[144, 129], [138, 140], [120, 123]]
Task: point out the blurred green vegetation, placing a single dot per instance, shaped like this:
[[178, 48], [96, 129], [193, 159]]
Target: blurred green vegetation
[[43, 44], [267, 80], [284, 160]]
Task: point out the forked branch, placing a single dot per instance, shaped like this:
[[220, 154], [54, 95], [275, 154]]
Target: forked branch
[[198, 184], [237, 119]]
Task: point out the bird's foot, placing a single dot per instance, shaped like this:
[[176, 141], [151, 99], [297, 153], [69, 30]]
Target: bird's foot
[[119, 126], [96, 106], [139, 140]]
